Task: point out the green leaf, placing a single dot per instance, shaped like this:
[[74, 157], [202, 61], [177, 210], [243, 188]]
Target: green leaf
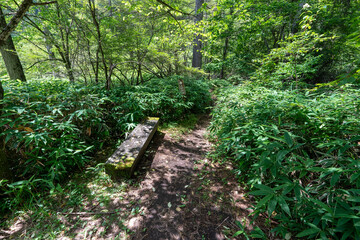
[[258, 233], [288, 139], [323, 205], [284, 206], [308, 232], [272, 206], [335, 178], [353, 199], [263, 201], [238, 233], [281, 155], [264, 188], [259, 193]]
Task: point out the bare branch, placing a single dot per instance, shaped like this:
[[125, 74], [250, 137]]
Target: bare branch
[[173, 9], [46, 60], [44, 3]]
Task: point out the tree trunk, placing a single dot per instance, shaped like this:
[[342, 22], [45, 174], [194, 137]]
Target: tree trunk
[[92, 9], [222, 72], [69, 69], [197, 56], [10, 56], [182, 88], [51, 54]]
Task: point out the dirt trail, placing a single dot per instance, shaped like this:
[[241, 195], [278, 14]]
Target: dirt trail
[[184, 196], [177, 194]]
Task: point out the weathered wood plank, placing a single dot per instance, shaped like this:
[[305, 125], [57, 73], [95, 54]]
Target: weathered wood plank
[[124, 160]]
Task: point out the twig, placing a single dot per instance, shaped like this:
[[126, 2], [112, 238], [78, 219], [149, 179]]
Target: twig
[[87, 213], [222, 222]]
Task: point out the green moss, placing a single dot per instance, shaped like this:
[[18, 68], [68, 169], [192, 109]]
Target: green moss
[[121, 169], [153, 118]]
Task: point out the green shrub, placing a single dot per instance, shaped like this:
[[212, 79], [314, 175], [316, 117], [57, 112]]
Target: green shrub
[[52, 127], [299, 154]]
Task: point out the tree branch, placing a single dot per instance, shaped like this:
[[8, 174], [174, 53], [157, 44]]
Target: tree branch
[[23, 8], [46, 60], [173, 9], [43, 3], [15, 20]]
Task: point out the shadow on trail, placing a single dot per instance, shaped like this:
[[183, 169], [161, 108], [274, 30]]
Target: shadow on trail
[[176, 194], [181, 203]]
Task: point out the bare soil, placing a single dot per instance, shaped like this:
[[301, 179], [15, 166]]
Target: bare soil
[[185, 195]]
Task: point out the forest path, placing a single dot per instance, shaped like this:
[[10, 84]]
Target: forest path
[[176, 193], [185, 195]]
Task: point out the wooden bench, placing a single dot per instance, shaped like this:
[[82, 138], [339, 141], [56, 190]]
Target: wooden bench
[[124, 160]]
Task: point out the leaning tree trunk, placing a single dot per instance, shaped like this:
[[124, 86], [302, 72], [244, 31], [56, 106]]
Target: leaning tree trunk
[[9, 54], [197, 56]]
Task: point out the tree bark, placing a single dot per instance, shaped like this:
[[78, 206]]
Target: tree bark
[[222, 72], [11, 59], [15, 20], [197, 56]]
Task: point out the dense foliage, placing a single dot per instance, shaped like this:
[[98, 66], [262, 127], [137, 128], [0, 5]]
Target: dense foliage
[[299, 153], [313, 41], [52, 127], [286, 74]]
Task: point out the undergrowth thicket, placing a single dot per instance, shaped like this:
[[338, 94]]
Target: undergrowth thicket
[[298, 151], [52, 127]]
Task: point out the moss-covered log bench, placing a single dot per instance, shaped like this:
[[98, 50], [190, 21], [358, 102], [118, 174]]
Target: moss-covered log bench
[[124, 160]]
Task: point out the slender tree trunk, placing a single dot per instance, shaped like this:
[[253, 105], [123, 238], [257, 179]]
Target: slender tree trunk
[[96, 71], [64, 51], [97, 26], [176, 63], [69, 69], [182, 88], [226, 46], [111, 71], [49, 49], [222, 72], [197, 56], [11, 59]]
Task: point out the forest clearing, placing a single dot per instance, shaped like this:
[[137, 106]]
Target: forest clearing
[[254, 108]]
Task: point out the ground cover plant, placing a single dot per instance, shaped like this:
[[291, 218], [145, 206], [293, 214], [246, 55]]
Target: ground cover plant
[[298, 152], [52, 127]]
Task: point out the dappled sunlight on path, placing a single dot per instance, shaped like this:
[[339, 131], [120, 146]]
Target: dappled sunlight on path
[[180, 200], [176, 193]]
